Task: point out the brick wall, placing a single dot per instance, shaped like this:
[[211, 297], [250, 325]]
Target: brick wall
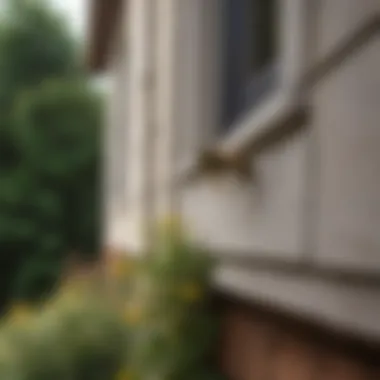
[[259, 345]]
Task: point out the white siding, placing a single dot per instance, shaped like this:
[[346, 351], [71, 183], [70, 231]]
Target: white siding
[[347, 110], [260, 217]]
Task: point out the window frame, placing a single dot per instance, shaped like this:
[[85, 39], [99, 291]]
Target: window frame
[[206, 118], [242, 89], [285, 98]]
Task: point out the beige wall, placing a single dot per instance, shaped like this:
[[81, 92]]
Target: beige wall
[[312, 198], [347, 116], [127, 130], [346, 137], [260, 216], [316, 192], [339, 18], [115, 212], [161, 110]]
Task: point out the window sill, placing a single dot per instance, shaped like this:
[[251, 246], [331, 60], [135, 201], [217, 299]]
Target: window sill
[[257, 124], [259, 127]]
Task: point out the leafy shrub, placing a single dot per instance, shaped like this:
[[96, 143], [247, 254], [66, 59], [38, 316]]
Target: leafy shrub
[[50, 120], [75, 336], [149, 319]]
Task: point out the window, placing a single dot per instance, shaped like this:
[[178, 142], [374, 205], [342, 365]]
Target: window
[[250, 55]]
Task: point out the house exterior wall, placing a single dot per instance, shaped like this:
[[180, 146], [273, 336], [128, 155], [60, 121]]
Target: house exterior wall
[[262, 216], [131, 69], [311, 200], [115, 207], [290, 210], [162, 85], [337, 230], [337, 20], [346, 140], [300, 234]]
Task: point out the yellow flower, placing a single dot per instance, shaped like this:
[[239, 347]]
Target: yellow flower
[[124, 375], [191, 292], [133, 314], [74, 287], [171, 224], [7, 352], [20, 312], [121, 267], [71, 291]]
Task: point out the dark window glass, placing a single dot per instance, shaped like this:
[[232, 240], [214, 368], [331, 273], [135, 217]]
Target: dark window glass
[[250, 55], [262, 34]]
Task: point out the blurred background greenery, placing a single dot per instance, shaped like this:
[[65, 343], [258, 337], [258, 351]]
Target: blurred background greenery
[[50, 125]]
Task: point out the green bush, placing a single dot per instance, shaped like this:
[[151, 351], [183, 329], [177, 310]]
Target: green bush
[[50, 120], [151, 318], [73, 337]]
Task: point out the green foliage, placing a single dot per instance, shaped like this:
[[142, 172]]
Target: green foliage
[[36, 279], [49, 150], [75, 336], [34, 45], [173, 330], [56, 118], [152, 320]]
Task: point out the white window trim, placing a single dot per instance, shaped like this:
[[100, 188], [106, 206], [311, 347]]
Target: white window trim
[[284, 100], [261, 118], [115, 202]]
